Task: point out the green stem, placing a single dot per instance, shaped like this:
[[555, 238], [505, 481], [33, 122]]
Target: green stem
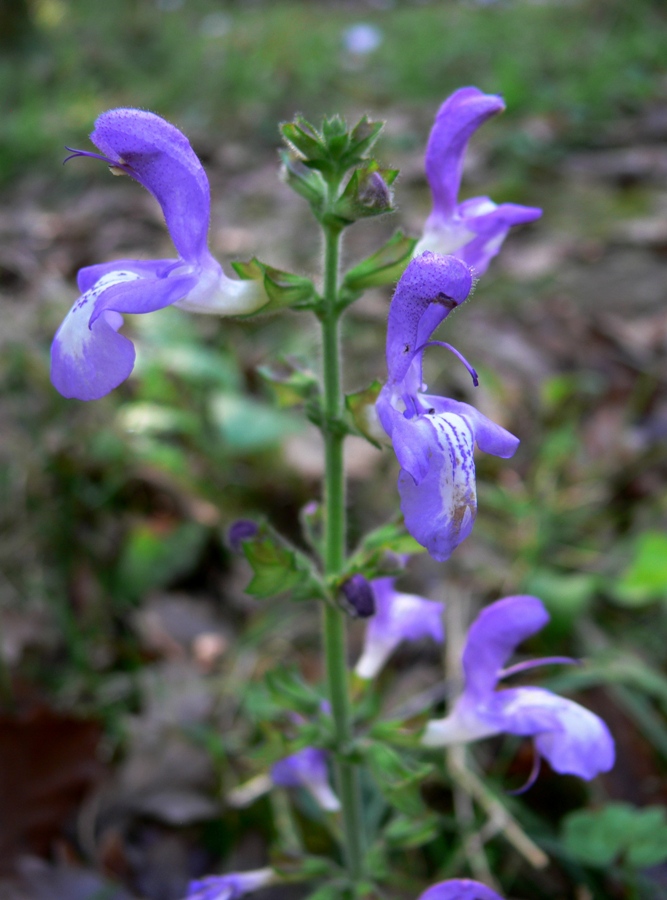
[[347, 775]]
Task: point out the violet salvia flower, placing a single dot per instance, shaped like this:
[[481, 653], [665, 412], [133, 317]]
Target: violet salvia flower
[[459, 889], [229, 887], [433, 437], [89, 357], [307, 769], [398, 617], [475, 229], [572, 739]]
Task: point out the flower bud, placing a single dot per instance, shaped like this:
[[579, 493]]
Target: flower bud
[[374, 192], [240, 531], [359, 597]]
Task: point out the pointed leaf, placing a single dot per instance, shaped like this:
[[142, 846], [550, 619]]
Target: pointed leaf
[[385, 266], [361, 407], [292, 384]]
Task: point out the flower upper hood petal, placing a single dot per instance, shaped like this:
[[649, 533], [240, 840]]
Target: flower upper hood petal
[[493, 637], [457, 119], [158, 156], [429, 281]]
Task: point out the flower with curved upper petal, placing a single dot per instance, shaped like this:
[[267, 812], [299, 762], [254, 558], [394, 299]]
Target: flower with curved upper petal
[[89, 357], [398, 617], [433, 437], [572, 739], [307, 769], [459, 889], [474, 230], [229, 887]]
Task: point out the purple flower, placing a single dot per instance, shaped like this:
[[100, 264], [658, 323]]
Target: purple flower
[[433, 437], [89, 357], [474, 230], [459, 889], [398, 617], [571, 738], [307, 769], [359, 596], [229, 887]]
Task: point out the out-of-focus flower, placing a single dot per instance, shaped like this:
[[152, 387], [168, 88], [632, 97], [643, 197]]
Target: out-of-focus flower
[[398, 617], [229, 887], [572, 739], [433, 437], [89, 357], [307, 769], [475, 229], [359, 596], [459, 889], [362, 38], [240, 531]]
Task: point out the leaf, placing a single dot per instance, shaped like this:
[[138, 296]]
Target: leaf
[[389, 540], [407, 832], [304, 138], [361, 408], [385, 266], [645, 579], [398, 781], [290, 691], [284, 289], [618, 830], [249, 425], [154, 555], [291, 383], [278, 567]]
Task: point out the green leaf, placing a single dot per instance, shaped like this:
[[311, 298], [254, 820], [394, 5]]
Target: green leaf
[[291, 692], [248, 425], [304, 138], [617, 831], [284, 289], [278, 567], [362, 139], [304, 181], [361, 408], [407, 832], [152, 557], [645, 579], [566, 595], [398, 781], [291, 382], [389, 540], [385, 266]]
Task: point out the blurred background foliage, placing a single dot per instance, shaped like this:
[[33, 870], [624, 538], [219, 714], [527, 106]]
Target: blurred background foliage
[[119, 600]]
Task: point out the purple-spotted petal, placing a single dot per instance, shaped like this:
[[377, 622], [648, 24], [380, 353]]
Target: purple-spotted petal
[[440, 510], [398, 617], [459, 889], [489, 437], [429, 281], [493, 637], [308, 769], [571, 738], [88, 357], [160, 158], [414, 441], [457, 119]]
